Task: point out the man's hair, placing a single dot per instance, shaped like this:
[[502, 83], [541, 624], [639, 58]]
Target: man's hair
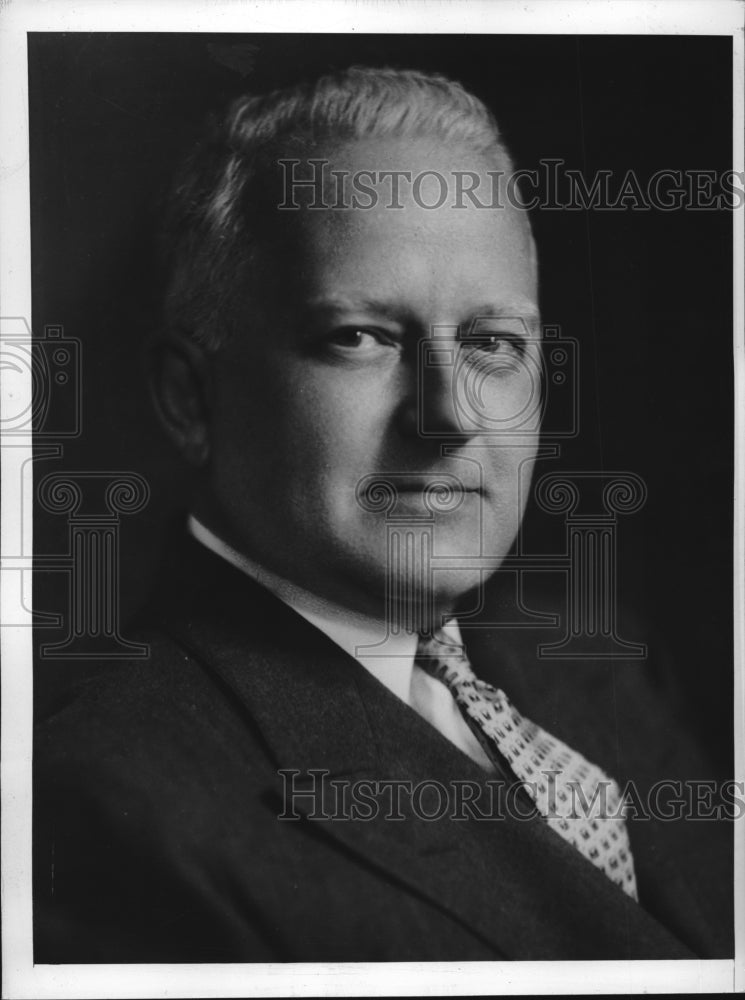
[[223, 206]]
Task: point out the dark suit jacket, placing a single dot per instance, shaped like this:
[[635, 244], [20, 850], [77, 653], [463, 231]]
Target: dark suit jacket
[[157, 796]]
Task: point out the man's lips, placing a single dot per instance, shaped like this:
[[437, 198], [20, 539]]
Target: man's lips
[[431, 483], [441, 492], [425, 487]]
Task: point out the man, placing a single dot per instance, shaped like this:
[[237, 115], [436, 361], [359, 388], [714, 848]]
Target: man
[[351, 363]]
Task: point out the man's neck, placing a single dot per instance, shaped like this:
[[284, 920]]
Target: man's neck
[[363, 609], [303, 600]]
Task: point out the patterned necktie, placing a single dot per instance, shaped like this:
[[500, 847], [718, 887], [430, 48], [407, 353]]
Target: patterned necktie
[[534, 755]]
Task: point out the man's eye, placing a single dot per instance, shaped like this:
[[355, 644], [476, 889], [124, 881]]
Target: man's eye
[[360, 341], [494, 343]]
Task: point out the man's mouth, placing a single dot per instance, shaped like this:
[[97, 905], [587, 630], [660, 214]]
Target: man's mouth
[[431, 483], [435, 487], [433, 492]]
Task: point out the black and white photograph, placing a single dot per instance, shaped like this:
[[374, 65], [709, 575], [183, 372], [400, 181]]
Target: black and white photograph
[[372, 535]]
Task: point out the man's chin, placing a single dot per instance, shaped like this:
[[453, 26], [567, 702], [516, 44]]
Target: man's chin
[[416, 603], [415, 572]]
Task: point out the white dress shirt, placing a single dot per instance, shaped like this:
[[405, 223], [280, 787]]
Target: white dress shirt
[[388, 658]]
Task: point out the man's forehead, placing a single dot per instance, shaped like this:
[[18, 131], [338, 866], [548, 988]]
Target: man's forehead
[[412, 172], [362, 239], [420, 206]]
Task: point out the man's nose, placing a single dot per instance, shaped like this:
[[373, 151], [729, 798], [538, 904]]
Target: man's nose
[[432, 407]]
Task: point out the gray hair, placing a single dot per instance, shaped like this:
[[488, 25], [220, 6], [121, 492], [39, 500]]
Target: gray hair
[[221, 207]]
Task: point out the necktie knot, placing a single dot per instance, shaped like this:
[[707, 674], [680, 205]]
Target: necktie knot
[[442, 656]]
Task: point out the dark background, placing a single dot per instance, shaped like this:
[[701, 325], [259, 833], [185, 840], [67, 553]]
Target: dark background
[[647, 293]]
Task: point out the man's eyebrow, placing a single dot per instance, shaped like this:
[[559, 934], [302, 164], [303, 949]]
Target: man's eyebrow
[[489, 310], [507, 310], [339, 303]]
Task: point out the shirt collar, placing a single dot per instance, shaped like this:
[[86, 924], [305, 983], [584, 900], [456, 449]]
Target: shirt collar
[[390, 658]]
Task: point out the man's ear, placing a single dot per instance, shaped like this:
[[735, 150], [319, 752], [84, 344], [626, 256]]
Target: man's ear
[[181, 387]]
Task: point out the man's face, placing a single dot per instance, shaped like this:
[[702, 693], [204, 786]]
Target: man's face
[[397, 344]]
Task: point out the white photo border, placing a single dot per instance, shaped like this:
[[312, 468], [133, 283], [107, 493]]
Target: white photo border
[[546, 17]]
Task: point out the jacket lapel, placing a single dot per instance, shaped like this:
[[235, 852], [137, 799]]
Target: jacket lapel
[[513, 882]]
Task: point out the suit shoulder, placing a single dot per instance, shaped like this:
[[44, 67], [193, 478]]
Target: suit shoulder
[[142, 720]]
